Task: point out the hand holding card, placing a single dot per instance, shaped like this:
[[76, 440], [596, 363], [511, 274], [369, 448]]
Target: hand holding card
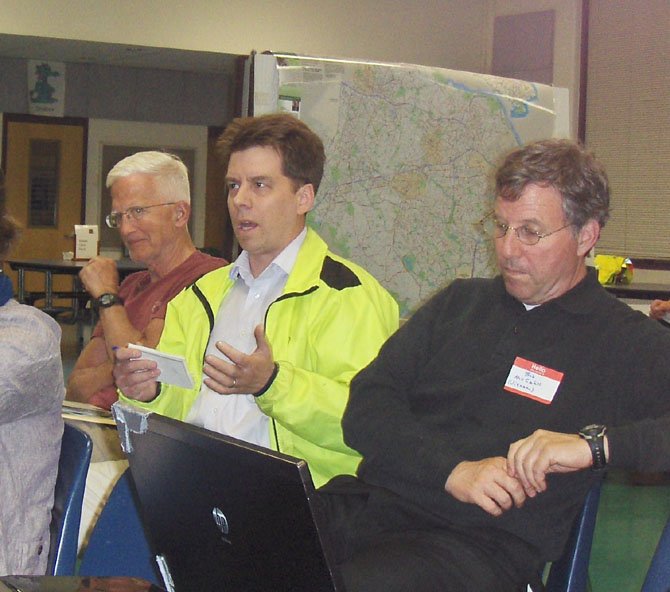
[[173, 368]]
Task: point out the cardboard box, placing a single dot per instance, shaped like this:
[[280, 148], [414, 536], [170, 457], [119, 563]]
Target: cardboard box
[[85, 241]]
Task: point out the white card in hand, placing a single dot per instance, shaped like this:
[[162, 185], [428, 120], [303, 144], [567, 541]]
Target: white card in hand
[[173, 368]]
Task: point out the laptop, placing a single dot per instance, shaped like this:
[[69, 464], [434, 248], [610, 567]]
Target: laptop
[[222, 514]]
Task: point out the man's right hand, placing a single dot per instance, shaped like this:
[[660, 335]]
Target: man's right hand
[[486, 483], [100, 276], [134, 376]]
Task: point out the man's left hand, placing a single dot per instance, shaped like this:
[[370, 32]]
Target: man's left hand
[[245, 373], [530, 459]]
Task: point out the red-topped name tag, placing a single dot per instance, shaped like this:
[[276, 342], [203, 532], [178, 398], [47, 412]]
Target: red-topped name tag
[[534, 381]]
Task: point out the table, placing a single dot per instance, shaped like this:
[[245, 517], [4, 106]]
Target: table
[[640, 290], [75, 584], [51, 267]]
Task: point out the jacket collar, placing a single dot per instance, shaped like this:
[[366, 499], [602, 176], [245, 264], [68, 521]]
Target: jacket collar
[[308, 264]]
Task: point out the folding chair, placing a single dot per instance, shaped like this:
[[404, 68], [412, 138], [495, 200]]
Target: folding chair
[[570, 573], [118, 545], [658, 575], [75, 457]]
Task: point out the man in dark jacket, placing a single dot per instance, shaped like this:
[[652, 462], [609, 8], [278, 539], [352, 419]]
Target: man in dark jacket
[[485, 420]]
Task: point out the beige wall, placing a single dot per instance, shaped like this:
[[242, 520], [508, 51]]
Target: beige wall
[[447, 33], [437, 32]]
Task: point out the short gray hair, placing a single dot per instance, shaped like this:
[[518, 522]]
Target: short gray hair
[[170, 172], [564, 165]]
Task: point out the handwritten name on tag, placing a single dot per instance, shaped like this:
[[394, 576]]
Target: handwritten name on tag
[[532, 380]]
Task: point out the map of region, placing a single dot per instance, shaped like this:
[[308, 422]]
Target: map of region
[[410, 152]]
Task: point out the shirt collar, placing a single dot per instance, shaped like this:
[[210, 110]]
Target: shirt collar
[[284, 261], [580, 299], [584, 297]]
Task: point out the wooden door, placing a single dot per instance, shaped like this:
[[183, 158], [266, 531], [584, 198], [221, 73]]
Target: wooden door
[[44, 160]]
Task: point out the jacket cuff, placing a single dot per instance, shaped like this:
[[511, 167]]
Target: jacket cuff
[[268, 384]]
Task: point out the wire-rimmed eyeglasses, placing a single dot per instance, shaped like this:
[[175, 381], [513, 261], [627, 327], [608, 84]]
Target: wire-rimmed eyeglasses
[[113, 220], [497, 229]]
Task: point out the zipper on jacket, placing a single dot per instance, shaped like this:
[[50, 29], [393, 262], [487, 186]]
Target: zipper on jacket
[[265, 323], [208, 311]]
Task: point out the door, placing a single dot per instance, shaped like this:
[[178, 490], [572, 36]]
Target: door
[[44, 160]]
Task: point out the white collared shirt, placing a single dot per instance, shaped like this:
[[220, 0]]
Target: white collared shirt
[[240, 312]]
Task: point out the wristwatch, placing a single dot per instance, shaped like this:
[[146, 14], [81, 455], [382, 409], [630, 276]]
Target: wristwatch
[[594, 435], [106, 300]]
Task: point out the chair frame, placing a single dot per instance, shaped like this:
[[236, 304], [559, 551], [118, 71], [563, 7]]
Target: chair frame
[[118, 545], [570, 573], [658, 575], [75, 457]]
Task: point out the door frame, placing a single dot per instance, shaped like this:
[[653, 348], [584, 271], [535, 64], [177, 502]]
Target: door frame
[[165, 136]]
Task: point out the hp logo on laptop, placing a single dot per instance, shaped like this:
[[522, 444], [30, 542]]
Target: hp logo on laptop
[[221, 523]]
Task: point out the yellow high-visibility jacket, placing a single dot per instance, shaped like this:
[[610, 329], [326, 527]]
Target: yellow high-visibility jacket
[[328, 324]]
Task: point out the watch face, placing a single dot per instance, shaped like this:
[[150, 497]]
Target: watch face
[[593, 431], [107, 300]]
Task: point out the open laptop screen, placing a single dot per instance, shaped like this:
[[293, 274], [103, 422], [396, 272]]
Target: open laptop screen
[[223, 514]]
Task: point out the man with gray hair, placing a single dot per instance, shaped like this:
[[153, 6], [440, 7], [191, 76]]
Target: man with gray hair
[[151, 205]]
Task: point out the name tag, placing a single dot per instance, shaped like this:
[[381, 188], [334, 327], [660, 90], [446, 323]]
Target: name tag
[[534, 381]]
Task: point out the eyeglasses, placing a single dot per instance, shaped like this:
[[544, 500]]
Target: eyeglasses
[[113, 220], [493, 227]]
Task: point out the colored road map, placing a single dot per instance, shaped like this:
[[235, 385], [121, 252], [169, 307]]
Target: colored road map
[[410, 151]]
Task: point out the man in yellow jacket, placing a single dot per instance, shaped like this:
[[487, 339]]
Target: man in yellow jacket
[[274, 339]]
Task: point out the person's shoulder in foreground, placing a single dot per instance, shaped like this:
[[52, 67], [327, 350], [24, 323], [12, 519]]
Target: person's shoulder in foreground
[[31, 426], [486, 418], [30, 337]]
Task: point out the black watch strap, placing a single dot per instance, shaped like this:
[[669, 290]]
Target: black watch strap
[[106, 300], [594, 435]]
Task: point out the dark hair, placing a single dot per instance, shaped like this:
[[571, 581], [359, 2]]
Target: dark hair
[[9, 228], [567, 167], [300, 149]]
